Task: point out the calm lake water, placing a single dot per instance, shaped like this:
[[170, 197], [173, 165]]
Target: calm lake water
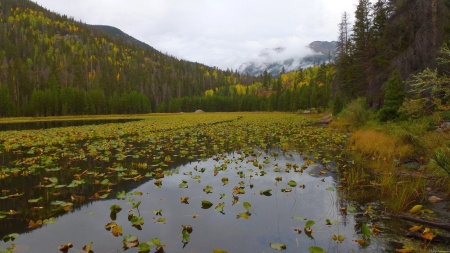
[[272, 218], [57, 123], [245, 192]]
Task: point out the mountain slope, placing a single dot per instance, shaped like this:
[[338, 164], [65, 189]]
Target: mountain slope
[[320, 52], [53, 65]]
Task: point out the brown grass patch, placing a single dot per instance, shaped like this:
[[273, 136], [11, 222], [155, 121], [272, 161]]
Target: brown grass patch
[[377, 145]]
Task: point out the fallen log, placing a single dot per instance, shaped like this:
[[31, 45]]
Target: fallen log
[[436, 239], [443, 225]]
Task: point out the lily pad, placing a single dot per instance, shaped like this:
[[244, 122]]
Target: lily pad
[[292, 183], [10, 237], [266, 192], [219, 251], [316, 249], [208, 189], [206, 204], [137, 221], [225, 180], [115, 208], [130, 241], [247, 206], [244, 215], [220, 207], [309, 223], [278, 246], [121, 195]]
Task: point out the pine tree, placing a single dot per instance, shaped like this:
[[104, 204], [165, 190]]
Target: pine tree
[[393, 99], [343, 45], [361, 46]]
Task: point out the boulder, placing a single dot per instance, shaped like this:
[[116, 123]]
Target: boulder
[[326, 119], [199, 111], [445, 127], [434, 199]]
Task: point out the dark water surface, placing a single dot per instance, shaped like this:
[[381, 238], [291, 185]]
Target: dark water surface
[[271, 217], [58, 123]]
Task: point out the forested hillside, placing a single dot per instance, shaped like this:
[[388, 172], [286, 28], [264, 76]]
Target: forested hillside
[[388, 35], [53, 65]]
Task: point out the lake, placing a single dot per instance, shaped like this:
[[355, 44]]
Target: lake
[[185, 183]]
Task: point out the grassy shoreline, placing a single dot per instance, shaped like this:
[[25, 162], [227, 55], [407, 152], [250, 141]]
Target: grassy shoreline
[[396, 159]]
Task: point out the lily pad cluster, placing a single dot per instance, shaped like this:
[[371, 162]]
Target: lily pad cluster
[[65, 168]]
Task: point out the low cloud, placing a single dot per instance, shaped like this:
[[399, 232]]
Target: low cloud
[[222, 33]]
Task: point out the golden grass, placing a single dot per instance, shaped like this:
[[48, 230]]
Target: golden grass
[[377, 145]]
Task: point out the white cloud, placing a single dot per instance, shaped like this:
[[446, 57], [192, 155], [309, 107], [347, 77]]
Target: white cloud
[[222, 33]]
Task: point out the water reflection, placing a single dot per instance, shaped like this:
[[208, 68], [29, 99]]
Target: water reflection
[[271, 219], [58, 123]]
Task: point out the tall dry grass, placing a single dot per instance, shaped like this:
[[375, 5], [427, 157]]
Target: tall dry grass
[[377, 145]]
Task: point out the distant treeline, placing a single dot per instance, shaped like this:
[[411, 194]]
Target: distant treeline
[[293, 91]]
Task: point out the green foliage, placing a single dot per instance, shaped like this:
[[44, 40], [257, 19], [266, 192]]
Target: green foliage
[[357, 113], [393, 99], [338, 105], [413, 108], [6, 103], [432, 85], [161, 108]]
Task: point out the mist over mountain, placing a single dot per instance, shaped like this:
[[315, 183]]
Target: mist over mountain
[[274, 59]]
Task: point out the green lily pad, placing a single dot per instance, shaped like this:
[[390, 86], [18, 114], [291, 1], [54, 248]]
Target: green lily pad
[[244, 215], [130, 241], [121, 195], [137, 221], [278, 246], [365, 231], [219, 251], [247, 206], [206, 204], [144, 247], [10, 237], [220, 207], [292, 183], [34, 200], [225, 180], [316, 249], [115, 208], [309, 223], [208, 189], [157, 242]]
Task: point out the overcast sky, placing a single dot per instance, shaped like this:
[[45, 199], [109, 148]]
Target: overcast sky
[[222, 33]]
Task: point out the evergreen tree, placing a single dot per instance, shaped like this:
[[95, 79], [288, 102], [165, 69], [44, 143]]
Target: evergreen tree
[[343, 45], [394, 95], [361, 46], [6, 103]]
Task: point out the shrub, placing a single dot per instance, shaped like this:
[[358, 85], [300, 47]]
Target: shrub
[[413, 108], [356, 113]]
